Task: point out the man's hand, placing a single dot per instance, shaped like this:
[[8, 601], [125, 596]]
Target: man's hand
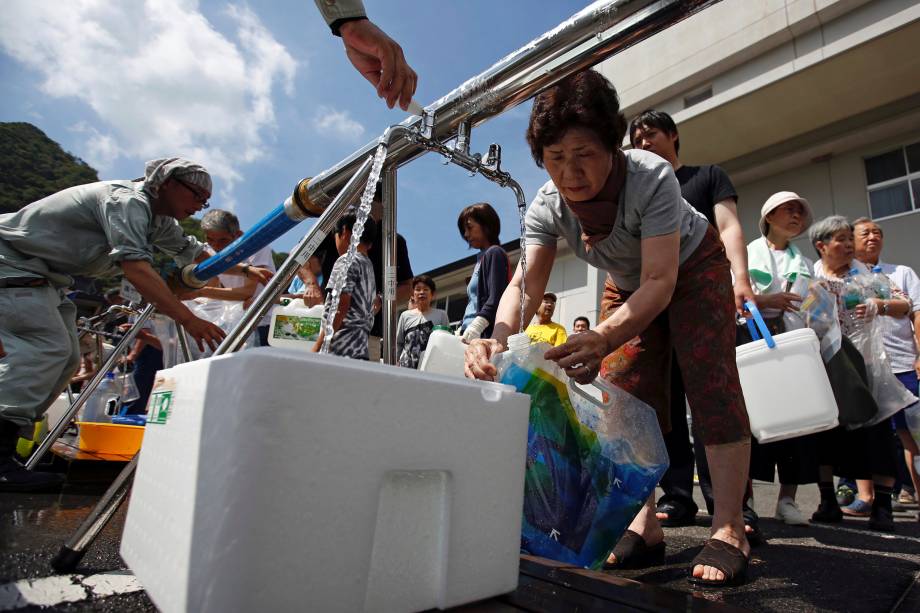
[[2, 350], [380, 60], [580, 356], [916, 364], [204, 333], [262, 275]]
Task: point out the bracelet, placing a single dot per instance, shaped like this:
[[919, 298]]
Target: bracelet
[[883, 307]]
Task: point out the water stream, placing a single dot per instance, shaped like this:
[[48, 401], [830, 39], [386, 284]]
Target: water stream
[[521, 213], [340, 273]]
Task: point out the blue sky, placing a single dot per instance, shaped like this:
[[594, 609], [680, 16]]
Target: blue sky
[[263, 95]]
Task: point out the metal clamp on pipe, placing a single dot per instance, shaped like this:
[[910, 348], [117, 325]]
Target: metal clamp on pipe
[[187, 278]]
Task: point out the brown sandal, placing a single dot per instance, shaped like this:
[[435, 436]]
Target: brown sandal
[[724, 557], [633, 552]]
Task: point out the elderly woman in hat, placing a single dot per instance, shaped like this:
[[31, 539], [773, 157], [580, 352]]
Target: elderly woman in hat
[[90, 230], [774, 264]]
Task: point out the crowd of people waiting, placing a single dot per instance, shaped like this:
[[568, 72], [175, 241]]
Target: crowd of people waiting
[[679, 275]]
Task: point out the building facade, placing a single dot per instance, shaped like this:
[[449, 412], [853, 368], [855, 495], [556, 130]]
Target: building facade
[[820, 97]]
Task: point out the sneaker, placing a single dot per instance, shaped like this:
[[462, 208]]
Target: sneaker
[[857, 508], [14, 477], [845, 495], [789, 512], [906, 497]]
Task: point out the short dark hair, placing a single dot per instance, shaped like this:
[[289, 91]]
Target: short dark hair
[[586, 100], [650, 118], [582, 318], [347, 222], [550, 296], [483, 214], [424, 279]]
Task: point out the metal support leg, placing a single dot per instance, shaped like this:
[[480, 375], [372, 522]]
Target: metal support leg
[[90, 387], [389, 265], [73, 550]]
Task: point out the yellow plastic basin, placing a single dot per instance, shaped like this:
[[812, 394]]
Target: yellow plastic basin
[[110, 438]]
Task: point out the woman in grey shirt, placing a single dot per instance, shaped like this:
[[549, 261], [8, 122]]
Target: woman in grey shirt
[[622, 212]]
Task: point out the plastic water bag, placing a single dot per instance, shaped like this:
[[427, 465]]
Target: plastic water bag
[[591, 464]]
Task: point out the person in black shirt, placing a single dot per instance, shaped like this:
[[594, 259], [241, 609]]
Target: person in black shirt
[[710, 191]]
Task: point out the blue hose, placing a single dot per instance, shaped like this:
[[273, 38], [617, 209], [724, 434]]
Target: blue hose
[[263, 233]]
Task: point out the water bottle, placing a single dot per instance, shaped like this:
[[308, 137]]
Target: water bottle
[[855, 290], [881, 286], [104, 401]]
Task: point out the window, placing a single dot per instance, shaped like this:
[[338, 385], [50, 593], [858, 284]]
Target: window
[[893, 182]]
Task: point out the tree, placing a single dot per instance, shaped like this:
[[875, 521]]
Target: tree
[[32, 166]]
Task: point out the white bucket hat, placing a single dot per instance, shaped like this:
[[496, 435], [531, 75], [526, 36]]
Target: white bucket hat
[[778, 199]]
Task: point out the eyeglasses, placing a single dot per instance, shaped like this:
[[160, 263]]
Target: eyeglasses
[[203, 201]]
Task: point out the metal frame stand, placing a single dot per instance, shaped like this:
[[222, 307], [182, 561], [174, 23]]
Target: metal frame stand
[[598, 31], [72, 552]]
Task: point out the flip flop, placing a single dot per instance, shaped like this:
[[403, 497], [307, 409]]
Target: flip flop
[[632, 552], [755, 536], [724, 557], [681, 512]]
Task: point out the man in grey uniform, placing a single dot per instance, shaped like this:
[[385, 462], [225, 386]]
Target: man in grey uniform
[[88, 230]]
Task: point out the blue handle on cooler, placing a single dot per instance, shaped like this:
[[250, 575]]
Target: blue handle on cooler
[[758, 318]]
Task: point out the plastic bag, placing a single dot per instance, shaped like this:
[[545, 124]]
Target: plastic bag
[[912, 417], [590, 465], [224, 313], [817, 311], [890, 395]]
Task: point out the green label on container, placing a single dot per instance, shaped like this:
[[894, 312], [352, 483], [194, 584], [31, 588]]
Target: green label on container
[[160, 403], [295, 328]]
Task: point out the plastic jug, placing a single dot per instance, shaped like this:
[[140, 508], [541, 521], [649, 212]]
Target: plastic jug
[[294, 325], [104, 402], [444, 354], [591, 464], [129, 391]]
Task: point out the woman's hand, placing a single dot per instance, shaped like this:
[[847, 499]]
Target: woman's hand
[[581, 355], [781, 301], [476, 361], [866, 310]]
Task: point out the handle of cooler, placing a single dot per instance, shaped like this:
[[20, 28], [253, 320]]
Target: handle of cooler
[[761, 324]]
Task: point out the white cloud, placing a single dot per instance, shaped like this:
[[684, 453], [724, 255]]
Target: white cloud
[[337, 124], [162, 80]]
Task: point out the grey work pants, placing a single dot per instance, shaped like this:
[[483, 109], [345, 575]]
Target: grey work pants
[[39, 334]]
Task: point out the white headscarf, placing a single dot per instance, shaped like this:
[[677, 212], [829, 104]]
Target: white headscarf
[[157, 171]]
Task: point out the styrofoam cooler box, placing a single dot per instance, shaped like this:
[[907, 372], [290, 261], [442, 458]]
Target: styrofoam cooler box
[[272, 479], [786, 388]]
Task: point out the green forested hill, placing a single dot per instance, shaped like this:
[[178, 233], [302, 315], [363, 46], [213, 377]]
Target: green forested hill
[[33, 166]]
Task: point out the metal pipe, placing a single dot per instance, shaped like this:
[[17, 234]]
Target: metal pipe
[[390, 280], [591, 35], [300, 254], [184, 349], [88, 389], [274, 224]]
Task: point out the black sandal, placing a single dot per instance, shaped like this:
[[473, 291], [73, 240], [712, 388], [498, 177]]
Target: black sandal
[[724, 557], [752, 520], [681, 511], [632, 552]]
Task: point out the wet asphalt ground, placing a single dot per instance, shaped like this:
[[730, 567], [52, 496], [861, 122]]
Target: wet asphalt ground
[[841, 567]]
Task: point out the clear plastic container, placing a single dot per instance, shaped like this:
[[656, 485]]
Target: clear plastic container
[[104, 402]]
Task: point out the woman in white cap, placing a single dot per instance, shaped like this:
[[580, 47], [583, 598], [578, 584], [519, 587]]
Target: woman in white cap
[[774, 264]]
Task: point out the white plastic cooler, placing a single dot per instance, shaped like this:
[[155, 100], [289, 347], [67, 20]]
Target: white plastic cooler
[[273, 480], [785, 387]]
